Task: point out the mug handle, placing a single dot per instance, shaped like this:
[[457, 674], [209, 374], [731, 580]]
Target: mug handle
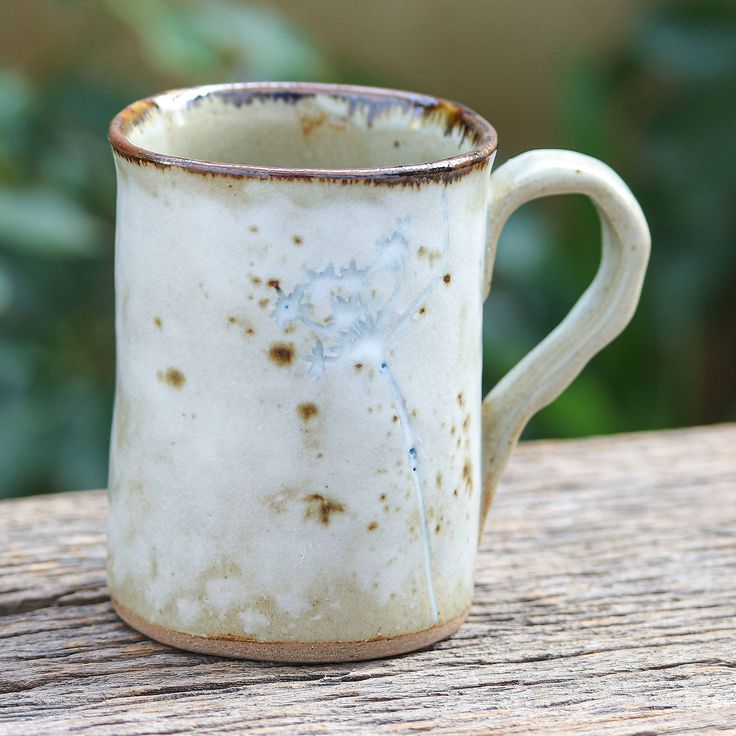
[[600, 314]]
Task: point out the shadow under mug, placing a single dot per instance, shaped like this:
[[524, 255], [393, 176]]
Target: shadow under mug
[[301, 459]]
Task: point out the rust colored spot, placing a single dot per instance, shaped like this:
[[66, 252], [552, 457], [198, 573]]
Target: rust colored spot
[[173, 376], [468, 475], [382, 497], [422, 310], [453, 429], [394, 418], [282, 353], [309, 123], [461, 399], [372, 526], [466, 422], [263, 303], [358, 366], [255, 280], [298, 240], [232, 320], [274, 283], [254, 228], [437, 528], [439, 480], [432, 256], [249, 331], [157, 322], [307, 411], [321, 508], [447, 278]]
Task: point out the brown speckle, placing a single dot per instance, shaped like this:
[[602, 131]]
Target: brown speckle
[[461, 399], [466, 422], [289, 329], [396, 144], [394, 418], [422, 310], [453, 429], [307, 411], [254, 228], [437, 528], [298, 239], [263, 303], [250, 331], [447, 278], [431, 255], [232, 320], [439, 480], [372, 526], [320, 507], [273, 283], [468, 475], [255, 280], [358, 366], [282, 353], [173, 377], [157, 322], [455, 493], [382, 497], [308, 123]]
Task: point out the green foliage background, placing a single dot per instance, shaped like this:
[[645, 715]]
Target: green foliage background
[[658, 110]]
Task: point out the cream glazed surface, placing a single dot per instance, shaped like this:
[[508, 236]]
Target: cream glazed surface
[[296, 442], [296, 470]]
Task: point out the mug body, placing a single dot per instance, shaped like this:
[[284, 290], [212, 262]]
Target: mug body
[[295, 455]]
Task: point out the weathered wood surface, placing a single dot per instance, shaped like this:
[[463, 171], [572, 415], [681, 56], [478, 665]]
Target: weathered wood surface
[[606, 604]]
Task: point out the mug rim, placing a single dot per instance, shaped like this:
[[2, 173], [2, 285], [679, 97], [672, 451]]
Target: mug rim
[[444, 169]]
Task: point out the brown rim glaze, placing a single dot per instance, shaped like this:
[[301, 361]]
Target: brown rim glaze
[[452, 114], [291, 651]]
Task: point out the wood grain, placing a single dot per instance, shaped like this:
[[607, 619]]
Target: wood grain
[[605, 604]]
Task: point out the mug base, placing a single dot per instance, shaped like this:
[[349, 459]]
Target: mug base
[[291, 651]]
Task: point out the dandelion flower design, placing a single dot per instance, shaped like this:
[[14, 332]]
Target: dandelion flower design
[[353, 313]]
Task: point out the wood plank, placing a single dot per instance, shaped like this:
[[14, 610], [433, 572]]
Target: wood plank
[[605, 604]]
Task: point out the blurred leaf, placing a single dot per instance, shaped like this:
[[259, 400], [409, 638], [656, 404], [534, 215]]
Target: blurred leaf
[[44, 222], [691, 42], [258, 43], [6, 292], [16, 115], [218, 40], [587, 407]]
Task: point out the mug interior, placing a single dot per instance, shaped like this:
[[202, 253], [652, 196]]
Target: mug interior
[[302, 127]]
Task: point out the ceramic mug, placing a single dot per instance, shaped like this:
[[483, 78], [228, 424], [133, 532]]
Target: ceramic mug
[[301, 459]]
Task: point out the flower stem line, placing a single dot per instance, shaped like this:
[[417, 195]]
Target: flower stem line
[[412, 456]]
